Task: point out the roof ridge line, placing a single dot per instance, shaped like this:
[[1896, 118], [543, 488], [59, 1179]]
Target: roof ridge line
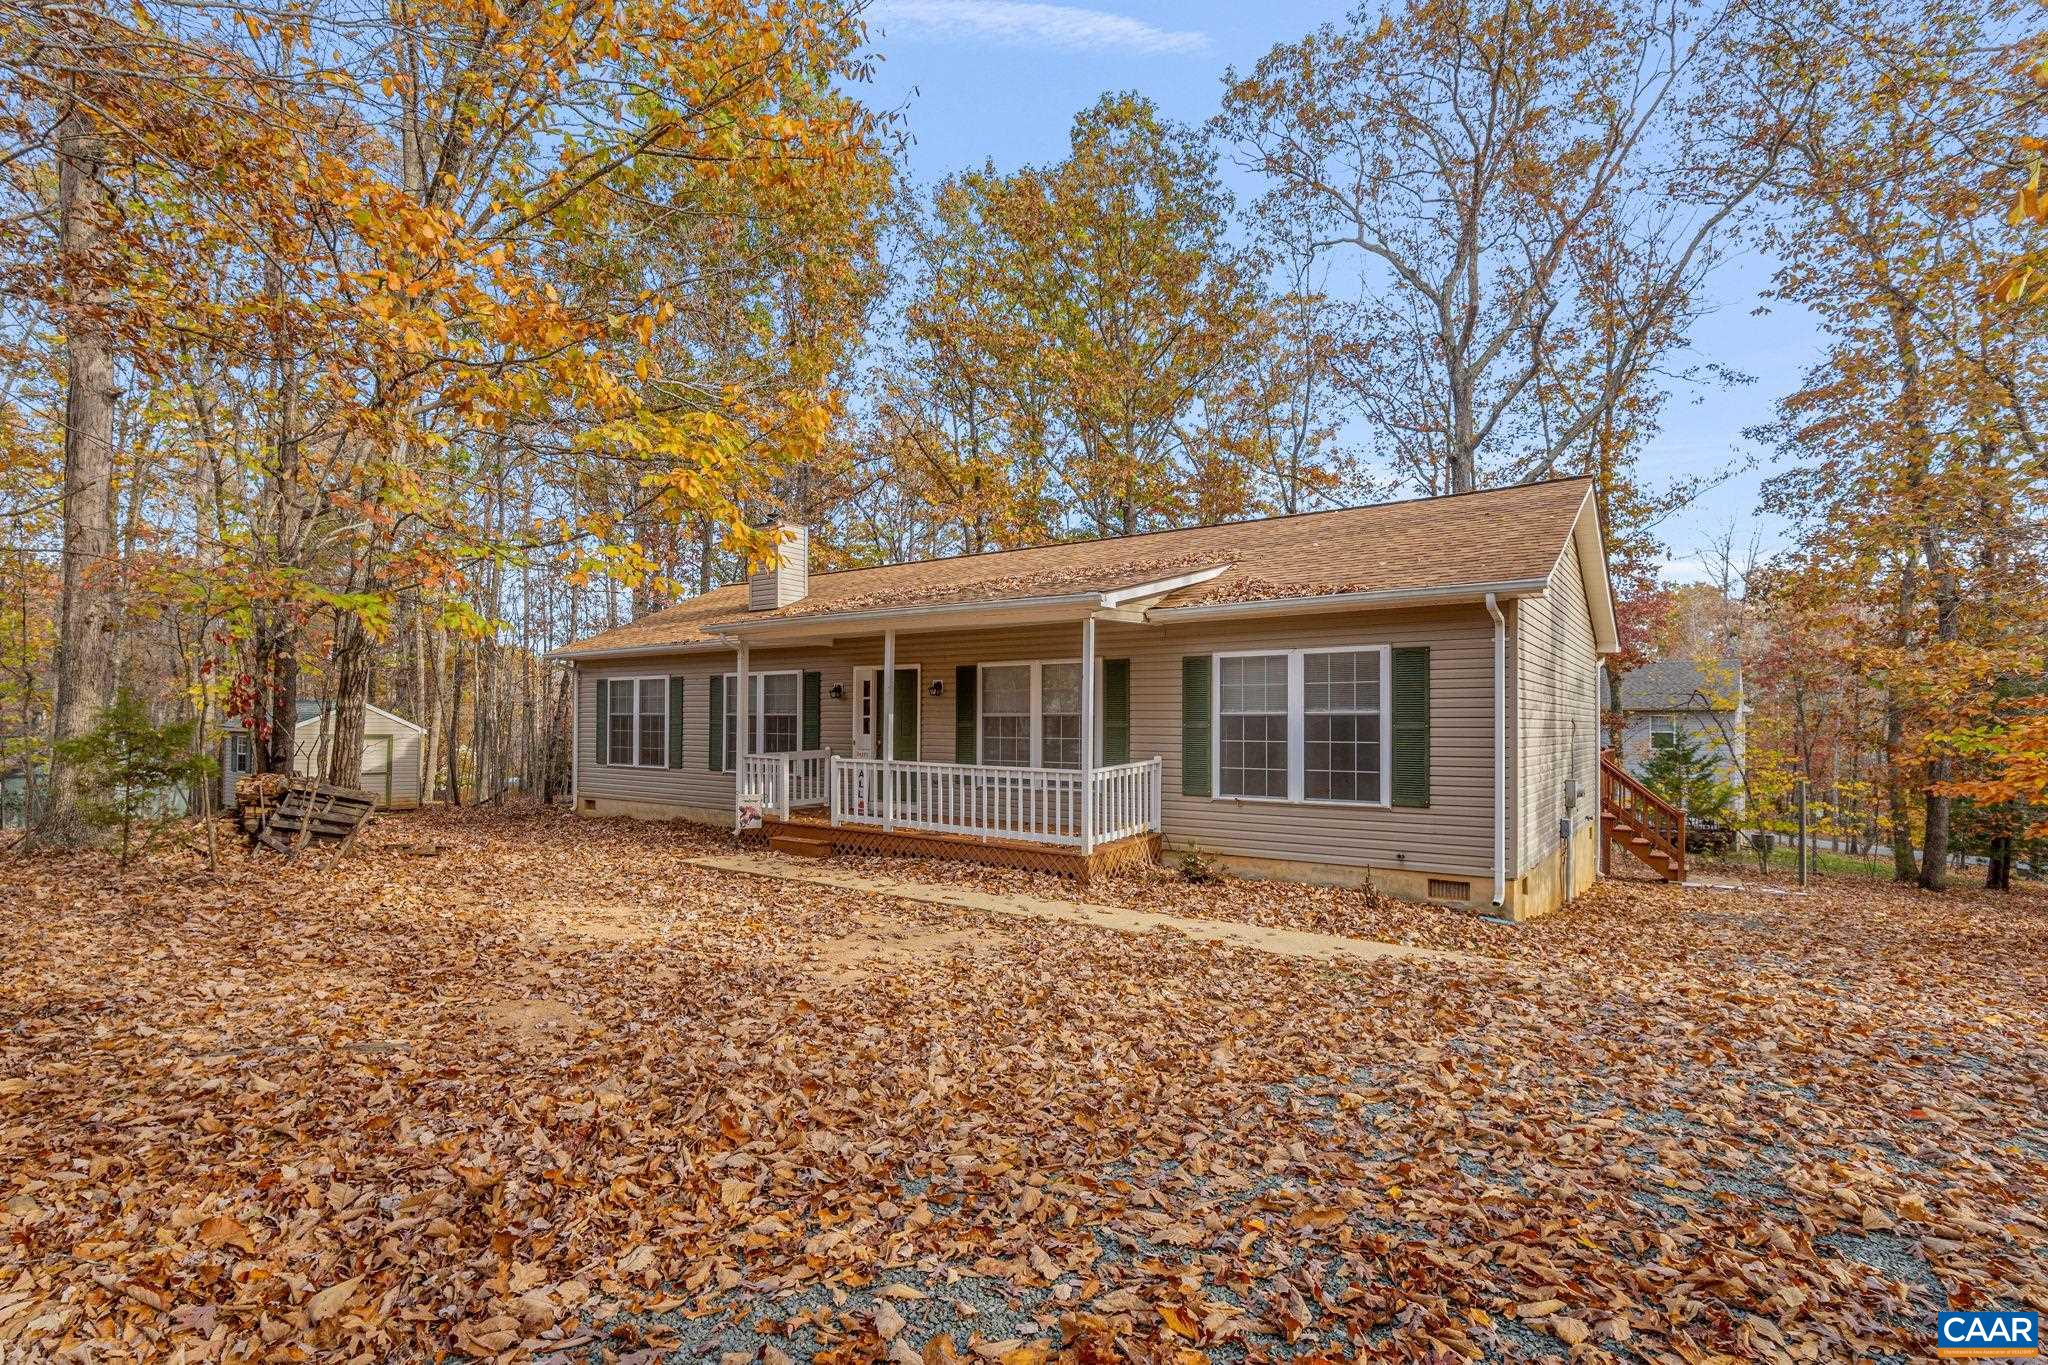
[[1203, 526]]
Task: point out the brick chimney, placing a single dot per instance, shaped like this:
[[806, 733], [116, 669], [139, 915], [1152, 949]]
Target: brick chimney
[[790, 580]]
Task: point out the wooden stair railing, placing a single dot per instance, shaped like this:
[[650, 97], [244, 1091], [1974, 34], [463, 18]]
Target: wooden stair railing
[[1641, 823]]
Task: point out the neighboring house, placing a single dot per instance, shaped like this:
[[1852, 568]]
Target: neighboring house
[[1405, 694], [1667, 700], [391, 754]]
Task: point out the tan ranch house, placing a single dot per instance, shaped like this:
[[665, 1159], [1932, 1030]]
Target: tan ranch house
[[1405, 695]]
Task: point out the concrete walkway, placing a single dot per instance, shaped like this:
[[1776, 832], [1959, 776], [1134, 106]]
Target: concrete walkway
[[1235, 933]]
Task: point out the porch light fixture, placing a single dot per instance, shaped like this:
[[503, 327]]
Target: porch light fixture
[[937, 687], [838, 692]]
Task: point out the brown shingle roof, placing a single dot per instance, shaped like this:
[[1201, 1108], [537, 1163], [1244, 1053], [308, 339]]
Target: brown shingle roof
[[1498, 536]]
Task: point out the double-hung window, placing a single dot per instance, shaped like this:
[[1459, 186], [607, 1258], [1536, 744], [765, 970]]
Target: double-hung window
[[1059, 715], [1006, 715], [636, 722], [774, 714], [1302, 725], [1252, 724], [241, 752], [1031, 715], [1663, 732], [1341, 725]]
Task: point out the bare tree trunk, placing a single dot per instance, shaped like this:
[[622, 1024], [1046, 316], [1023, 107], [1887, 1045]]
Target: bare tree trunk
[[1947, 628], [85, 621], [1904, 869], [454, 728], [350, 686]]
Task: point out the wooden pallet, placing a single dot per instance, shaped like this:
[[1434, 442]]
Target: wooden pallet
[[313, 812]]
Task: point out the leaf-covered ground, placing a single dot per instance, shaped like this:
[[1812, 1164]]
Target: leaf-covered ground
[[513, 1084]]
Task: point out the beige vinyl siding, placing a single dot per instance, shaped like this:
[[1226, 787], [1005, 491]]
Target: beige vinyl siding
[[306, 759], [694, 784], [1453, 835], [405, 758], [1557, 702]]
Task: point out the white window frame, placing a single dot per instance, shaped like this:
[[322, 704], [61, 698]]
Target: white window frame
[[1670, 736], [638, 683], [757, 688], [241, 753], [1297, 726], [1037, 667]]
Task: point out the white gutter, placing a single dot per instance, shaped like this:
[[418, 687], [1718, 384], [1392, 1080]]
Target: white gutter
[[1351, 601], [1161, 588], [829, 622], [570, 654], [1500, 750]]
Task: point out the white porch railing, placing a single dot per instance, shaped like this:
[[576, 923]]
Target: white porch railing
[[785, 781], [1034, 805]]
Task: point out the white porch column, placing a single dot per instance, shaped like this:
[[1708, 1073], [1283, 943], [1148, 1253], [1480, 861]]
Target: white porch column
[[739, 720], [885, 712], [1088, 736]]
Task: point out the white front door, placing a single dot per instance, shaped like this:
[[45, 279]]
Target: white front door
[[865, 717]]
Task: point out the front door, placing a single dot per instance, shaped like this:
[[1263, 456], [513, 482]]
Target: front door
[[867, 712], [864, 711]]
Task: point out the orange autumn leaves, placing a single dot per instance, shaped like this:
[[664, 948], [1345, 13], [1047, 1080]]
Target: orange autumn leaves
[[520, 1087]]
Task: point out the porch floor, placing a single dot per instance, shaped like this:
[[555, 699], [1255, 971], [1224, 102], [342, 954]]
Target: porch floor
[[812, 826]]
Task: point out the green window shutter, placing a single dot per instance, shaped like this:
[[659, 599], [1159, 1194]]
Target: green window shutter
[[1410, 771], [814, 725], [966, 739], [601, 750], [1195, 674], [716, 726], [675, 721], [1116, 711], [903, 714]]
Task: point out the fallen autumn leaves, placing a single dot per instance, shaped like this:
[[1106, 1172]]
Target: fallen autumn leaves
[[516, 1085]]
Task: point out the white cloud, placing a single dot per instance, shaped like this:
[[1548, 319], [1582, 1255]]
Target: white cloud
[[1036, 25]]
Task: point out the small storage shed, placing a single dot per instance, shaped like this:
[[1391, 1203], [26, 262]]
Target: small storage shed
[[390, 769]]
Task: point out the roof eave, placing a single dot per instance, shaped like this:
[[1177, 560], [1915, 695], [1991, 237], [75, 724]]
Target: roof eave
[[827, 625], [571, 654], [1384, 599], [1004, 610]]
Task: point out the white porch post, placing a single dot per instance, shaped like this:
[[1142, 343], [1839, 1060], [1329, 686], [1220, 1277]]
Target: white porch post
[[885, 711], [739, 720], [1088, 736]]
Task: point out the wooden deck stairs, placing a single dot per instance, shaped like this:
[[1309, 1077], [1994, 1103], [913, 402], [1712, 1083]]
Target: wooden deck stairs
[[1636, 821]]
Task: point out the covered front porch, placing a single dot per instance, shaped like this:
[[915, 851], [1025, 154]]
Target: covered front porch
[[1076, 804]]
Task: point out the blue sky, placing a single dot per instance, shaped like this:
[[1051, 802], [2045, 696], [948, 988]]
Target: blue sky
[[1002, 79]]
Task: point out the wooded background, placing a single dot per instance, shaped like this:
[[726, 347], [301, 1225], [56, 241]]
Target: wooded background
[[368, 352]]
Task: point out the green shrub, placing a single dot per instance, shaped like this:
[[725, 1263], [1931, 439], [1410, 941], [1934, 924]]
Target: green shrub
[[132, 775], [1684, 776]]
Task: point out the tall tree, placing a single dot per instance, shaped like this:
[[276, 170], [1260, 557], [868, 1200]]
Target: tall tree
[[86, 608], [1488, 160], [1918, 478], [1087, 315]]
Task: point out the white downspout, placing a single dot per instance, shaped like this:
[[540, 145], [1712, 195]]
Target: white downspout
[[1500, 751], [575, 728]]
